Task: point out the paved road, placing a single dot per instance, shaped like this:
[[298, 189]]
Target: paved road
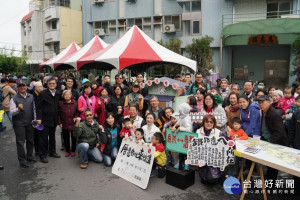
[[63, 179]]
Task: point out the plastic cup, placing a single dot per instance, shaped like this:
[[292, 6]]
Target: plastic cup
[[256, 140]]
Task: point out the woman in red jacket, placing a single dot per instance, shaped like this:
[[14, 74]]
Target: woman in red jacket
[[102, 102], [66, 118]]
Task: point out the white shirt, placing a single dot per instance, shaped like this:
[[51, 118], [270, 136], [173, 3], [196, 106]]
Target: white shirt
[[149, 130]]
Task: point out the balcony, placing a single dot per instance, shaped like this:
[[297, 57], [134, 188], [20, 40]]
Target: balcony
[[51, 13], [52, 36], [228, 19], [239, 28]]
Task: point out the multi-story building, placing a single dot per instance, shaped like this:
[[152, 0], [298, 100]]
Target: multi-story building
[[232, 23], [49, 28]]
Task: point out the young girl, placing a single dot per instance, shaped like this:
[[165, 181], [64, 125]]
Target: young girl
[[103, 100], [285, 103], [199, 97], [191, 100], [150, 128], [96, 89]]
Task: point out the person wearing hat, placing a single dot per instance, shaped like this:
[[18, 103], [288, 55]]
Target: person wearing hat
[[272, 129], [224, 89], [22, 109], [7, 93], [135, 97]]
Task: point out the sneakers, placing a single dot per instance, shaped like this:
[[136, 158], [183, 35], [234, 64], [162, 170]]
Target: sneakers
[[186, 167], [83, 165], [176, 166], [73, 154], [67, 154], [151, 174]]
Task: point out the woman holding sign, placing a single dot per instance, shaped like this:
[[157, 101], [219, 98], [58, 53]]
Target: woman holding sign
[[209, 174], [211, 107]]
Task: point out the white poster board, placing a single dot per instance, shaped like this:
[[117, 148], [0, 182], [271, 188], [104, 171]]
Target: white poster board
[[134, 162], [210, 151]]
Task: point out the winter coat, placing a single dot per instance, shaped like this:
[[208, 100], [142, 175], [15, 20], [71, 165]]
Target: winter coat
[[230, 115], [67, 112], [294, 130], [47, 108], [102, 111], [108, 141], [276, 127], [86, 133], [149, 131], [113, 104], [83, 102], [214, 133], [96, 91], [8, 92], [250, 117], [184, 122]]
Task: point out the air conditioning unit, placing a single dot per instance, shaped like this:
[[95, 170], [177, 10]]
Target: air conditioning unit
[[99, 31], [169, 28], [98, 1]]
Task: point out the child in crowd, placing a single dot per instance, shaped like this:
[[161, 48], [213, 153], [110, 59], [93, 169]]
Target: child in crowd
[[169, 124], [160, 158], [127, 130], [149, 129], [288, 100], [294, 108], [236, 132], [191, 100], [96, 89], [217, 96], [139, 135]]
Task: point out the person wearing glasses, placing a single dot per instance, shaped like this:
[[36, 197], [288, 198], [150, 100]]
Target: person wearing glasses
[[248, 90], [199, 83], [209, 174], [47, 115], [119, 81], [87, 136]]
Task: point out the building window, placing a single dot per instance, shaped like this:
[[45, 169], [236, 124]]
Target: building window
[[187, 7], [65, 3], [56, 48], [187, 27], [102, 25], [276, 8], [196, 27], [175, 19], [54, 25], [196, 6]]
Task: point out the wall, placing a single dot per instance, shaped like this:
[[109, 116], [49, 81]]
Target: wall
[[70, 27], [254, 57], [249, 6]]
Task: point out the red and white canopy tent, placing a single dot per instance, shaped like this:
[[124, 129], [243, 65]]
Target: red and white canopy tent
[[135, 50], [94, 45], [61, 57]]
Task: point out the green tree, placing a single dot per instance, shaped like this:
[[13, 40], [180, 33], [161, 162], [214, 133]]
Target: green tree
[[12, 64], [202, 53], [174, 44], [296, 62]]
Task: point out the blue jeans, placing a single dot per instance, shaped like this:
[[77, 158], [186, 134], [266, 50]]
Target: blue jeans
[[9, 117], [113, 155], [86, 153]]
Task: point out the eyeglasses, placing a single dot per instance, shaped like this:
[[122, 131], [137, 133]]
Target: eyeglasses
[[89, 115], [209, 122]]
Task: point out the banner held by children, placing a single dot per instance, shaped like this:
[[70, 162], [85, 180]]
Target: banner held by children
[[178, 142], [210, 151], [134, 162]]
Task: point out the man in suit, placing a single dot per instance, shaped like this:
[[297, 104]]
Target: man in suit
[[47, 115]]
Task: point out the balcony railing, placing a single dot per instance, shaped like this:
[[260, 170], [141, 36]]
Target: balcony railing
[[228, 19], [49, 3], [52, 36]]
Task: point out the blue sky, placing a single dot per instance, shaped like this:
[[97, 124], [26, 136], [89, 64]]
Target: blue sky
[[11, 13]]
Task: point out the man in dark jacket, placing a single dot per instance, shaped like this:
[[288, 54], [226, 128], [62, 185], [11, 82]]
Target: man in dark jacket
[[47, 115], [272, 129], [248, 90], [155, 108], [119, 81], [86, 134], [294, 131], [22, 109]]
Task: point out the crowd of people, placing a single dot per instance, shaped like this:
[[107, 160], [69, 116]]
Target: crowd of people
[[95, 118]]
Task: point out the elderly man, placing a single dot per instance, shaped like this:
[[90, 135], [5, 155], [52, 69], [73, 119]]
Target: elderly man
[[224, 89], [47, 115], [107, 84], [272, 128], [87, 136], [155, 108], [119, 81], [248, 90], [136, 120], [22, 109]]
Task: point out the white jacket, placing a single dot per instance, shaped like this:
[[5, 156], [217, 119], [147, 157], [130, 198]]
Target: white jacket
[[220, 116], [184, 122], [214, 133], [149, 131]]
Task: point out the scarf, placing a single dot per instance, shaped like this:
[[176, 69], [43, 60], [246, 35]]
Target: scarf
[[234, 108], [209, 110], [207, 132]]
